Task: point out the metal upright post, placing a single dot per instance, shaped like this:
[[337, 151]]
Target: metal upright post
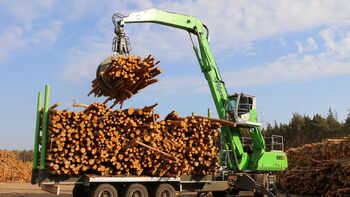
[[36, 138], [37, 130], [44, 127], [209, 113]]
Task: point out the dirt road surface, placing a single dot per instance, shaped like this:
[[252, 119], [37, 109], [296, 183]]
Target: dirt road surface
[[28, 190]]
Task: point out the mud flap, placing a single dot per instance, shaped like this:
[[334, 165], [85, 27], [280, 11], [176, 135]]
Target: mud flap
[[51, 189], [35, 174]]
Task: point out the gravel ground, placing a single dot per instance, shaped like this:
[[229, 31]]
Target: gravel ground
[[29, 190]]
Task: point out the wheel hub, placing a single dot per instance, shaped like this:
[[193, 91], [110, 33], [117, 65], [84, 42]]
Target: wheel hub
[[106, 193], [165, 193], [137, 193]]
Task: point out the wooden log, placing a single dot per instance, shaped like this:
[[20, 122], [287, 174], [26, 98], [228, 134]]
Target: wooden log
[[319, 169], [127, 76], [128, 141]]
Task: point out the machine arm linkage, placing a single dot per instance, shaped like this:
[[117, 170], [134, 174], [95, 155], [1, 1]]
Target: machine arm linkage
[[239, 159]]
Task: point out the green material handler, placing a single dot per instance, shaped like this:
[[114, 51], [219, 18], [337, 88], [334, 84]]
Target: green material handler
[[239, 108]]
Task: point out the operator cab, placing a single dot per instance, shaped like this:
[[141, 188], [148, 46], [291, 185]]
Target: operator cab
[[241, 109]]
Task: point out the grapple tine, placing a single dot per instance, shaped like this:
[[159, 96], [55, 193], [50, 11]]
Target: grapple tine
[[121, 47]]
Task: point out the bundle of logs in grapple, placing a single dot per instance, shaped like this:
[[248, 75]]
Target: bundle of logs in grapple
[[129, 142], [125, 77], [321, 169]]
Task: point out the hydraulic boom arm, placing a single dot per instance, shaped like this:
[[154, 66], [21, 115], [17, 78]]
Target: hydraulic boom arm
[[205, 58], [224, 103]]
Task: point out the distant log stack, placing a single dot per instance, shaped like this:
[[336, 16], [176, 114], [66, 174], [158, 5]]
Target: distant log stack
[[126, 76], [321, 169], [129, 142], [12, 169]]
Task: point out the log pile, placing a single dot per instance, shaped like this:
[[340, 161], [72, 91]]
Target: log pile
[[126, 76], [321, 169], [12, 169], [102, 141]]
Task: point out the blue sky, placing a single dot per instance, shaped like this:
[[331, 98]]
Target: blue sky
[[292, 55]]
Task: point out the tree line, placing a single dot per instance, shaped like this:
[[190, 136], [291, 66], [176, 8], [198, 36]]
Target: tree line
[[303, 129], [23, 155]]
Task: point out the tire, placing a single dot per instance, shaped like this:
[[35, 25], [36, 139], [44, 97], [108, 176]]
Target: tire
[[165, 190], [204, 194], [219, 193], [104, 190], [234, 192], [78, 191], [136, 190], [262, 180]]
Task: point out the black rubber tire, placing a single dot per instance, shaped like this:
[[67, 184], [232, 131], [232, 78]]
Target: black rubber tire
[[219, 193], [259, 195], [204, 194], [234, 192], [165, 190], [104, 190], [136, 189], [78, 191]]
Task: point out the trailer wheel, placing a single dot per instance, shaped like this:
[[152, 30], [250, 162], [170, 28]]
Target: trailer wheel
[[136, 190], [165, 190], [234, 192], [104, 190], [219, 193], [78, 191], [204, 194]]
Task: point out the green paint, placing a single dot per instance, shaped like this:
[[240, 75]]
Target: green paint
[[272, 161], [44, 127], [253, 116], [37, 130]]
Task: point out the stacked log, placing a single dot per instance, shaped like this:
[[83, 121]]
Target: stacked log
[[12, 169], [129, 142], [321, 169], [125, 77]]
